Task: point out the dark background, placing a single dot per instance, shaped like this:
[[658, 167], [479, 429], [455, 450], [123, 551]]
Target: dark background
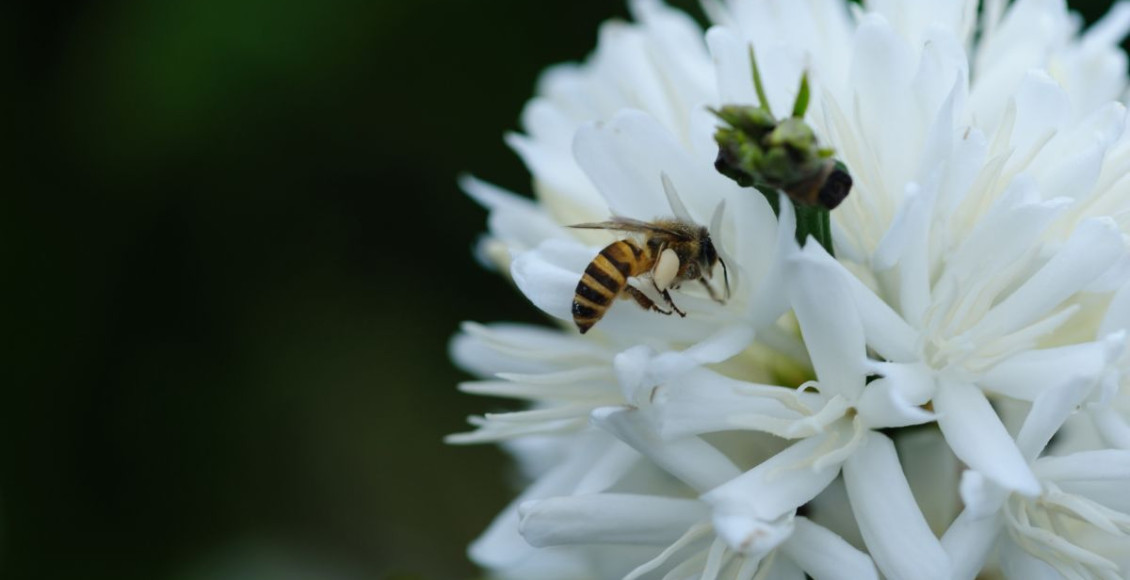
[[234, 253]]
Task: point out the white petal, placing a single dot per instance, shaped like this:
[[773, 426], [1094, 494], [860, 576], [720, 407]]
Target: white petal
[[829, 322], [881, 72], [1093, 248], [905, 245], [608, 518], [722, 345], [1020, 565], [826, 556], [780, 569], [692, 460], [608, 470], [488, 350], [548, 275], [704, 401], [778, 485], [968, 542], [771, 298], [1042, 108], [886, 331], [884, 404], [978, 438], [1029, 373], [896, 533], [1117, 315], [1101, 464], [750, 535], [982, 497], [1048, 413], [625, 157], [514, 219], [1113, 427], [501, 545], [932, 471]]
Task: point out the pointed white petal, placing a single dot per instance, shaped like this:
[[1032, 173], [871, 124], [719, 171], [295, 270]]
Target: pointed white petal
[[501, 545], [885, 329], [829, 322], [771, 298], [969, 541], [778, 485], [608, 469], [896, 533], [548, 275], [1117, 315], [883, 404], [625, 158], [1048, 413], [1102, 464], [978, 438], [695, 534], [692, 460], [514, 219], [1112, 426], [727, 342], [826, 556], [732, 65], [1090, 251], [488, 350], [703, 401], [608, 518], [906, 245], [1031, 372]]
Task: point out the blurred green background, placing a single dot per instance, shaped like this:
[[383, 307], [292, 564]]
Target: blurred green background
[[234, 254]]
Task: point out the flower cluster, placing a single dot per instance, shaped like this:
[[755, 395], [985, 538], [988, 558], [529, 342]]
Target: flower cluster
[[945, 394]]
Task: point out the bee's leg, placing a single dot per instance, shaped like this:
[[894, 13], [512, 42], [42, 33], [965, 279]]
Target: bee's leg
[[711, 292], [671, 303], [667, 298], [642, 299]]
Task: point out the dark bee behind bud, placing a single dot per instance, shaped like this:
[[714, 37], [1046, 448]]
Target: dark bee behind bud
[[835, 188]]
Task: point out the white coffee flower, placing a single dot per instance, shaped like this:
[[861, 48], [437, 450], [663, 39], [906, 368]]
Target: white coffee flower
[[695, 543], [1081, 499], [973, 291]]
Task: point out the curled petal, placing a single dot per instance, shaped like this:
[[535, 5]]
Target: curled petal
[[896, 533]]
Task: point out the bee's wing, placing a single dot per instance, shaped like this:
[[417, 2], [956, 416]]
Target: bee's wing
[[674, 200], [624, 224]]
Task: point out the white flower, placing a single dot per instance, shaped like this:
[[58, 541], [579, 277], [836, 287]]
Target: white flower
[[972, 293], [695, 543], [1082, 496]]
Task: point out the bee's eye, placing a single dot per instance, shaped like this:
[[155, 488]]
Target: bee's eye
[[709, 255]]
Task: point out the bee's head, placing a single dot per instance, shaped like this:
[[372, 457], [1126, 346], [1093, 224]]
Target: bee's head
[[708, 257]]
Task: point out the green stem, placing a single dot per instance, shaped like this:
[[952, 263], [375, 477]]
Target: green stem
[[772, 196], [813, 220], [826, 218]]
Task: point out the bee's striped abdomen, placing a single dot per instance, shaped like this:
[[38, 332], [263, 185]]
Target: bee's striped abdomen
[[604, 279]]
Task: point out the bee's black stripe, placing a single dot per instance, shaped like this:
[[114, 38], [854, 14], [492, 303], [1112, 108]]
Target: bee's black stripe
[[592, 294], [605, 278], [580, 311], [620, 255]]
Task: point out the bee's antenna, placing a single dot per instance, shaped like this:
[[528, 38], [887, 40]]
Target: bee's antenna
[[674, 201], [725, 276]]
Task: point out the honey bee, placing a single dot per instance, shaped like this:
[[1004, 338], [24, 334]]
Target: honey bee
[[673, 251]]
